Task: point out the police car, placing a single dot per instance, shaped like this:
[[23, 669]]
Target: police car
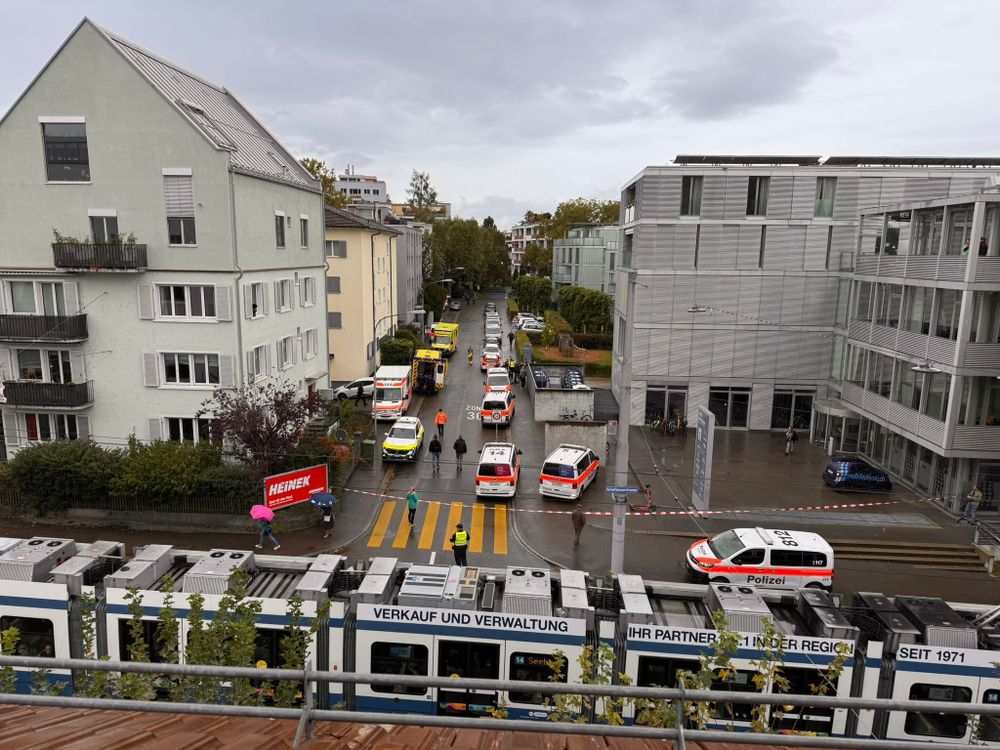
[[491, 357], [499, 467], [567, 472], [768, 558], [403, 441], [497, 379], [497, 408]]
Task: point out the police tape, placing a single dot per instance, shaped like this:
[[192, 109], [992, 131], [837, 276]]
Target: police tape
[[698, 513]]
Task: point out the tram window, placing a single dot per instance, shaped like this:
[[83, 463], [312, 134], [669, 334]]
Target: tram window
[[148, 635], [657, 672], [804, 718], [399, 658], [469, 659], [533, 667], [989, 726], [34, 635], [736, 681], [267, 648], [937, 725]]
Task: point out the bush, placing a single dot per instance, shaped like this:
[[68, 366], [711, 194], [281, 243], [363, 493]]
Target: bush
[[164, 470], [521, 339], [52, 475], [407, 334], [396, 351], [597, 369], [558, 323], [603, 341], [512, 308], [225, 480]]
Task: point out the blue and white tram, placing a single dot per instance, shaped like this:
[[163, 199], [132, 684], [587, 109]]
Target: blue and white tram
[[450, 621]]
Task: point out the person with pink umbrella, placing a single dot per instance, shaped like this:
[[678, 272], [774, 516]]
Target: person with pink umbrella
[[263, 516]]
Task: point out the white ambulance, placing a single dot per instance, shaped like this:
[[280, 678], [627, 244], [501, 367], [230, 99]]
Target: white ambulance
[[767, 558], [499, 467]]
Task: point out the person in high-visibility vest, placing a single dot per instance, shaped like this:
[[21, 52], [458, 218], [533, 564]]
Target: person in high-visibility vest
[[460, 543], [440, 420]]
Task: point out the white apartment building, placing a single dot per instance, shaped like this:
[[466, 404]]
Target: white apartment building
[[362, 188], [742, 266], [187, 252], [522, 235], [586, 257]]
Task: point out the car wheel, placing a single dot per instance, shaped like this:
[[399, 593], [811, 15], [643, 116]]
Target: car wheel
[[817, 586], [719, 579], [342, 397]]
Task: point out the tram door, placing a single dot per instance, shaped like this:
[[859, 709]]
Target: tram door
[[468, 658]]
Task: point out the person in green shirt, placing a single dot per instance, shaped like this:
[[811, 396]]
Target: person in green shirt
[[412, 501]]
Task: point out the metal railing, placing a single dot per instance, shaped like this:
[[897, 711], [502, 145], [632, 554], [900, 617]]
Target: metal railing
[[43, 327], [37, 393], [308, 714], [12, 501], [99, 257]]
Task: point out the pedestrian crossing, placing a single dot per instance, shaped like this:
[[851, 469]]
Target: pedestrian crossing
[[435, 523]]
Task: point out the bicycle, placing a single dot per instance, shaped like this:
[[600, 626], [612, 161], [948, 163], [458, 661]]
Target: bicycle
[[572, 416]]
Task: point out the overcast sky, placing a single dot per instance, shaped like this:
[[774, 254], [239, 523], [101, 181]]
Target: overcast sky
[[519, 104]]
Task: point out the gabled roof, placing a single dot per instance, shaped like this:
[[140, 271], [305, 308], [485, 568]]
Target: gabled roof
[[213, 111], [338, 218]]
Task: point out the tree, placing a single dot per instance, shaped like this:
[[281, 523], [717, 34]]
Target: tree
[[164, 470], [318, 169], [395, 351], [579, 211], [587, 310], [536, 260], [53, 475], [136, 685], [421, 196], [260, 422], [489, 222], [533, 294]]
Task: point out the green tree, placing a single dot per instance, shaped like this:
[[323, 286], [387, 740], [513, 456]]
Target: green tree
[[8, 647], [536, 260], [580, 211], [164, 470], [587, 310], [533, 293], [168, 633], [89, 684], [203, 646], [133, 685], [318, 169], [404, 333], [395, 351], [421, 195], [53, 475], [434, 297]]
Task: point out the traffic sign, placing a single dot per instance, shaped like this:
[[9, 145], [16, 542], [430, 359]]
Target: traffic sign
[[622, 490]]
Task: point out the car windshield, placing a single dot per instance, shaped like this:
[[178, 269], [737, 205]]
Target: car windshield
[[498, 379], [388, 394], [488, 405], [725, 545], [403, 433], [491, 349]]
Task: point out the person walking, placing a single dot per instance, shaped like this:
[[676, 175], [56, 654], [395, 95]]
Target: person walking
[[510, 340], [460, 544], [435, 450], [460, 450], [579, 519], [412, 501], [973, 499], [440, 421], [359, 397], [523, 373], [791, 437], [265, 533]]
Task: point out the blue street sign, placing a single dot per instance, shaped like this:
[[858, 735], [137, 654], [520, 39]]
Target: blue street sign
[[622, 490]]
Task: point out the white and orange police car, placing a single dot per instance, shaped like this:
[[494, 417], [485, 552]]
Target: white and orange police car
[[567, 472], [768, 558], [499, 467]]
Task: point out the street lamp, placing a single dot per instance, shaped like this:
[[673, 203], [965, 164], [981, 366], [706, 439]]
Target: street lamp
[[624, 418]]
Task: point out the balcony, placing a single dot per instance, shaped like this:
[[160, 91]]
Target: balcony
[[82, 256], [905, 342], [870, 404], [982, 355], [988, 270], [925, 267], [49, 395], [64, 328], [977, 438]]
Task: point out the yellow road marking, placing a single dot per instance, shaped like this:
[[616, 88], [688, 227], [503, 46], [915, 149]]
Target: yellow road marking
[[431, 511], [382, 524], [478, 515], [454, 517], [404, 530], [500, 529]]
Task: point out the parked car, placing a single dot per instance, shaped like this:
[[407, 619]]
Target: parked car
[[521, 318], [455, 304], [532, 326], [351, 389], [403, 441], [851, 473]]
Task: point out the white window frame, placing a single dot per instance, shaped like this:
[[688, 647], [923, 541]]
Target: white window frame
[[165, 427], [44, 369], [260, 362], [63, 120], [52, 419], [103, 214], [284, 301], [308, 291], [260, 293], [194, 384], [286, 352], [39, 291], [280, 242], [188, 294], [310, 343], [303, 231]]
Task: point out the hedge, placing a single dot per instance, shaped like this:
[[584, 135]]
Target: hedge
[[512, 308], [521, 339], [602, 341], [597, 370], [557, 322]]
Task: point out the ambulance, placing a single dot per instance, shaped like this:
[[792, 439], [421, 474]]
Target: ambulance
[[499, 467], [393, 391], [766, 558], [567, 472], [497, 408], [444, 337]]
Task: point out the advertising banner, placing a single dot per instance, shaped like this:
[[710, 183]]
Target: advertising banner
[[294, 487]]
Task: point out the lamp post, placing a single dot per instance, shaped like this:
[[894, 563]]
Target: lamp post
[[624, 417]]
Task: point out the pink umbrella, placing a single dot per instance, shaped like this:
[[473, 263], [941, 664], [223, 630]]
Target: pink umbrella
[[261, 512]]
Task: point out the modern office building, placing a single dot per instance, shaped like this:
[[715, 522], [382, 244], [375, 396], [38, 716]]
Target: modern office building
[[917, 353], [360, 291], [743, 265], [161, 243], [362, 188], [521, 235], [586, 257]]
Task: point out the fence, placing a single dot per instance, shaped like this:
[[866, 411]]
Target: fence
[[11, 502], [307, 714]]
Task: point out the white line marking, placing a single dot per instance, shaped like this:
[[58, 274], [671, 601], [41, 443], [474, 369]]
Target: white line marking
[[433, 555]]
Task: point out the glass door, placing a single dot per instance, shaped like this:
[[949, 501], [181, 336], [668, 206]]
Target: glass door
[[739, 409], [473, 659]]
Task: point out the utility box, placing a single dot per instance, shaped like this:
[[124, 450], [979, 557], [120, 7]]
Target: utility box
[[368, 450]]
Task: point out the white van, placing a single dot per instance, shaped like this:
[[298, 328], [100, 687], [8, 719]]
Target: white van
[[568, 471], [497, 379], [499, 467], [768, 558], [497, 408]]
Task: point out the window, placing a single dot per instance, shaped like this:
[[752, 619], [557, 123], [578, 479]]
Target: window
[[792, 407], [22, 297], [34, 297], [749, 557], [333, 320], [47, 365], [46, 427], [949, 303], [336, 248], [908, 386], [826, 191], [257, 362], [399, 658], [308, 291], [35, 635], [990, 725], [916, 312], [286, 352], [938, 386], [187, 301], [283, 295], [937, 725], [887, 311], [803, 718], [279, 230], [533, 668], [191, 369], [879, 379], [691, 196], [149, 628], [104, 229], [333, 285], [757, 196], [736, 681], [310, 343], [178, 196], [258, 305], [304, 231], [467, 659], [66, 155], [188, 429]]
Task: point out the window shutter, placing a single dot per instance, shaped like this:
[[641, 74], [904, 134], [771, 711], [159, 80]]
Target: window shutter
[[291, 294], [71, 293], [264, 298], [247, 302], [250, 371], [302, 291], [155, 430], [268, 360], [277, 296], [145, 301], [10, 431], [227, 375], [150, 369], [223, 306], [76, 367], [178, 195], [83, 427]]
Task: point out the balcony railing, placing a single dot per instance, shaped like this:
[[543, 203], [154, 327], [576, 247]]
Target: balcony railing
[[55, 395], [43, 327], [82, 256]]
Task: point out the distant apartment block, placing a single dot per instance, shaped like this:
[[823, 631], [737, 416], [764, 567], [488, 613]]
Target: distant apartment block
[[522, 235], [361, 188], [187, 252], [587, 257]]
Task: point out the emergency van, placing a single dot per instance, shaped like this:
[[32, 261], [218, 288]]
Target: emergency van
[[491, 357], [567, 472], [393, 390], [429, 371], [768, 558], [497, 379], [497, 408], [444, 337], [499, 468]]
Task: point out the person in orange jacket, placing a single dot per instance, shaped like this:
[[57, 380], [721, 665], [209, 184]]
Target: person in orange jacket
[[440, 420]]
